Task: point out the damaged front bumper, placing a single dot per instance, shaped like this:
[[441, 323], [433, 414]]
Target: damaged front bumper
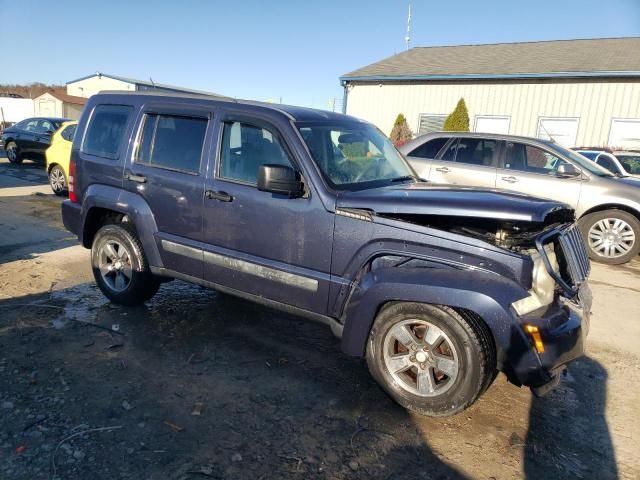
[[562, 328]]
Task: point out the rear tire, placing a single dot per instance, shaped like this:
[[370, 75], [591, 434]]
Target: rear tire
[[58, 180], [611, 236], [120, 266], [457, 352], [13, 152]]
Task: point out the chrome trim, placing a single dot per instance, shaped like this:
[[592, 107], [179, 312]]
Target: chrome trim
[[184, 250], [261, 271], [353, 213], [243, 266]]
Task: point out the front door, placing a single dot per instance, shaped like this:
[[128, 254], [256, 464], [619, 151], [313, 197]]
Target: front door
[[168, 171], [262, 243], [530, 169]]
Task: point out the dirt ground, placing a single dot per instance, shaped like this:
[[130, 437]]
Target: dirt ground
[[197, 384]]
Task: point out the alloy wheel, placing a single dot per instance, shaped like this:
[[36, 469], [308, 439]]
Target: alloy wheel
[[611, 237], [115, 265], [12, 153], [420, 357], [57, 180]]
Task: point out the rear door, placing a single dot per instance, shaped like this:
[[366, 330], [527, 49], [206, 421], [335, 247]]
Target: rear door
[[532, 170], [167, 170], [26, 138]]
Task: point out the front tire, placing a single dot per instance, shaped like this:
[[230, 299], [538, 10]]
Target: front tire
[[120, 266], [431, 359], [611, 236], [57, 180], [13, 153]]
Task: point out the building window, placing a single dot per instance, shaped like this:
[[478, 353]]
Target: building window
[[492, 124], [625, 133], [561, 130], [430, 123]]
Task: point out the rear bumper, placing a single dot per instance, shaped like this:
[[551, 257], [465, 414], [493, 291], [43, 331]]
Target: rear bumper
[[563, 328], [72, 218]]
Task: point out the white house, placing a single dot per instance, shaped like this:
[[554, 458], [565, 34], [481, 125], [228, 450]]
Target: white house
[[580, 92], [92, 84], [58, 104]]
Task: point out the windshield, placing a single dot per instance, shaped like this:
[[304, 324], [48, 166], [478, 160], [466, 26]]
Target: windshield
[[354, 156], [583, 161], [631, 163]]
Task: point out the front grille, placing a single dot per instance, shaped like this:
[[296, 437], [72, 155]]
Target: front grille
[[575, 255], [571, 253]]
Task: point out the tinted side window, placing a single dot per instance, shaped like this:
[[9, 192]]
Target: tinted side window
[[589, 155], [245, 147], [172, 142], [607, 163], [477, 151], [105, 131], [46, 126], [31, 126], [450, 153], [528, 158], [68, 133], [429, 149]]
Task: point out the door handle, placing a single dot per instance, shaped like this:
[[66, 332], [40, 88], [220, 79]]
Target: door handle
[[135, 178], [510, 179], [443, 169], [220, 196]]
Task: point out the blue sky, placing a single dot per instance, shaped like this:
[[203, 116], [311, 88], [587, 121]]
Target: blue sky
[[294, 50]]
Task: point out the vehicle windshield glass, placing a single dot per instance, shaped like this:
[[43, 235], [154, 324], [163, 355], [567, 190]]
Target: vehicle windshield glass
[[583, 162], [631, 163], [354, 155]]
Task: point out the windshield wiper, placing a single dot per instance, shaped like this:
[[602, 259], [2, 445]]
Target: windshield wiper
[[402, 179]]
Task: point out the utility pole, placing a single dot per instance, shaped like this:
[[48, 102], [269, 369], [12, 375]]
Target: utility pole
[[407, 38]]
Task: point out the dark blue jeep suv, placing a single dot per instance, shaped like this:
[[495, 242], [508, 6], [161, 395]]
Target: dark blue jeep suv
[[317, 214]]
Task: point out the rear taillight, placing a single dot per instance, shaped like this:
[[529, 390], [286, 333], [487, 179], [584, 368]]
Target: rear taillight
[[72, 181]]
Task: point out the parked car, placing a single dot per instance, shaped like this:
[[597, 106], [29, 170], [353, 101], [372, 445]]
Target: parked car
[[317, 214], [607, 206], [29, 138], [57, 157], [621, 163]]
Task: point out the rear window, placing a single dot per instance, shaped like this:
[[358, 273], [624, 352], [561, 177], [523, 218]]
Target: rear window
[[172, 142], [106, 128], [68, 132], [429, 149]]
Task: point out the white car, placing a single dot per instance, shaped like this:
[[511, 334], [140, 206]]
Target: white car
[[618, 162]]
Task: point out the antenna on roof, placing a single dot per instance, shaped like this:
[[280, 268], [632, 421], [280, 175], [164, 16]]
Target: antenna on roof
[[407, 38], [152, 83]]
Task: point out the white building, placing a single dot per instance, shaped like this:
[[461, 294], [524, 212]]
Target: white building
[[580, 92], [58, 104], [92, 84], [14, 110]]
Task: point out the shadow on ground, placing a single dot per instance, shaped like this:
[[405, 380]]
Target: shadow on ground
[[201, 385]]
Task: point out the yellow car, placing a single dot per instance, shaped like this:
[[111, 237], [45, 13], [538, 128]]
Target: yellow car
[[58, 155]]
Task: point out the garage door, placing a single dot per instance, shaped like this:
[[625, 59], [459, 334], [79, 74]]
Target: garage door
[[492, 124], [625, 133], [560, 130]]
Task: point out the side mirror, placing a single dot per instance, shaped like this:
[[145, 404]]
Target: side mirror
[[567, 170], [49, 132], [280, 179]]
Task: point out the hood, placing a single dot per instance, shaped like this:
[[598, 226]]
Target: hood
[[455, 201], [633, 180]]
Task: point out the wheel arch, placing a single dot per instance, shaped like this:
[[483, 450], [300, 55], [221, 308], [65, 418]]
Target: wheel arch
[[477, 296], [102, 204], [611, 206]]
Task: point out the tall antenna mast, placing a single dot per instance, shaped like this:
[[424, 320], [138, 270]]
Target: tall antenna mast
[[407, 39]]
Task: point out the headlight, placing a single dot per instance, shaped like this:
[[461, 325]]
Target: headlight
[[542, 284]]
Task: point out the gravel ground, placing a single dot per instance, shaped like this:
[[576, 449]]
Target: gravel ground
[[197, 384]]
